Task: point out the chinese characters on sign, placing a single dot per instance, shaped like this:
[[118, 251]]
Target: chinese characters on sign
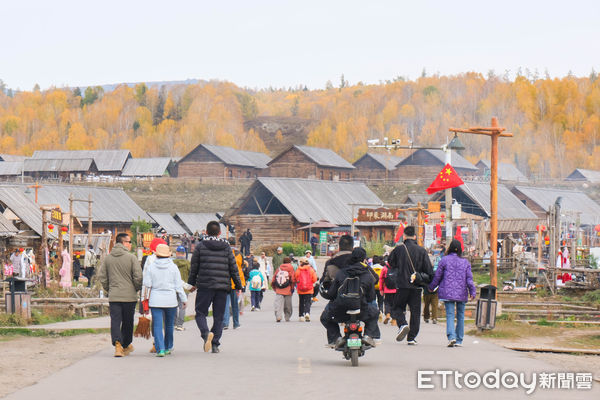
[[56, 216], [379, 214]]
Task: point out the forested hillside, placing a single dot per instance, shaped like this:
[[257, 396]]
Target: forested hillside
[[556, 122]]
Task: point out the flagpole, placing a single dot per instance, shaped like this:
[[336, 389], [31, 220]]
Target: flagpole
[[448, 199]]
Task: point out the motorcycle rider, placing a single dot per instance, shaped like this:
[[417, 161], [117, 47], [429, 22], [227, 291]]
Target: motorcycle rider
[[334, 313]]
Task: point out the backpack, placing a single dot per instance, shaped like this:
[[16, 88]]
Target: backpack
[[282, 279], [256, 282], [349, 294], [305, 283], [391, 278]]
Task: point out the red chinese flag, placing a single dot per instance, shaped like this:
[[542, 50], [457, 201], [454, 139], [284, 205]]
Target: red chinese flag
[[446, 179]]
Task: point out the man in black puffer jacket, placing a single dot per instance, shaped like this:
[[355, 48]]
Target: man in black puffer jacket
[[213, 268], [335, 312]]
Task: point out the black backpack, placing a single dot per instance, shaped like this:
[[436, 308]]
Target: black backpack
[[349, 295]]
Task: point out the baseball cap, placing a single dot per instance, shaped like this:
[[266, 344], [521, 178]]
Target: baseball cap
[[303, 260], [180, 249]]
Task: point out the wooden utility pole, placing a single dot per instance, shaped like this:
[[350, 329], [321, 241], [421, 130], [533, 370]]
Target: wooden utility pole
[[71, 228], [37, 186], [89, 219], [494, 132], [44, 267]]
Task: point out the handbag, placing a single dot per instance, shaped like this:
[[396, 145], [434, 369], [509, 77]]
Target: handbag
[[416, 278]]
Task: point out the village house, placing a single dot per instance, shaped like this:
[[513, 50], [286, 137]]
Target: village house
[[11, 170], [278, 210], [65, 170], [196, 222], [375, 168], [211, 162], [311, 163], [108, 162], [506, 172], [165, 223], [144, 168], [425, 164], [584, 175]]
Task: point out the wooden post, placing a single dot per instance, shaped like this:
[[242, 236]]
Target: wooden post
[[494, 206], [420, 224], [71, 229], [89, 219], [540, 238], [44, 249]]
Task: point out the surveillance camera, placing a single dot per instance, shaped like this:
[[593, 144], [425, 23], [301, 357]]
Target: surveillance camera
[[373, 142], [395, 141]]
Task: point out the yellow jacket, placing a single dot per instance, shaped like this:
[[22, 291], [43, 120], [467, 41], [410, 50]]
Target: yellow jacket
[[239, 260]]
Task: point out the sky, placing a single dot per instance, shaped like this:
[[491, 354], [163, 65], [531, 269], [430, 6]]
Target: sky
[[261, 44]]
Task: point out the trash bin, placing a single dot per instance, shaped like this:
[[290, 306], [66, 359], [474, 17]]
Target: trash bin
[[485, 317], [18, 301]]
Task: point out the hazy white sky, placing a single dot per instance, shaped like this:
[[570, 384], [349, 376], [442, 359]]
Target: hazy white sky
[[259, 43]]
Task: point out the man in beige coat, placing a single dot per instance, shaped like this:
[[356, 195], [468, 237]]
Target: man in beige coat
[[121, 278]]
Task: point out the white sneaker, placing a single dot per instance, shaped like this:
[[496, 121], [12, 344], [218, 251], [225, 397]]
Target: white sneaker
[[402, 332], [307, 317], [412, 342], [301, 319], [452, 343]]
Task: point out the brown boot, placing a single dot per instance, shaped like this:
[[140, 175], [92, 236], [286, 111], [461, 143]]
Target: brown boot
[[119, 350], [127, 350], [153, 349], [387, 318]]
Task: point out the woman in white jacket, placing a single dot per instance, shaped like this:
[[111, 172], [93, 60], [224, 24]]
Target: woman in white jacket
[[163, 280]]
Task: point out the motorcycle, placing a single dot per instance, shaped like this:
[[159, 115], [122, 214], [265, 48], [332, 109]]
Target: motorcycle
[[353, 344]]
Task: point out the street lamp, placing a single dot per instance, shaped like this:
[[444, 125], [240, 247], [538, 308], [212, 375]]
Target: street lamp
[[454, 144]]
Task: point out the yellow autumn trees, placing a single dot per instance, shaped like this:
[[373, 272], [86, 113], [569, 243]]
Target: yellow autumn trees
[[556, 122]]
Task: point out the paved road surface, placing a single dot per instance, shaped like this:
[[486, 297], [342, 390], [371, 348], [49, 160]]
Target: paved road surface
[[263, 359]]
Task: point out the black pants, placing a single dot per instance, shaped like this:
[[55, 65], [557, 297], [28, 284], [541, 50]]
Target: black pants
[[121, 321], [388, 301], [304, 301], [331, 319], [218, 299], [379, 301], [89, 272], [412, 298]]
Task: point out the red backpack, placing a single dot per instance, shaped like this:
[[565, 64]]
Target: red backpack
[[305, 282]]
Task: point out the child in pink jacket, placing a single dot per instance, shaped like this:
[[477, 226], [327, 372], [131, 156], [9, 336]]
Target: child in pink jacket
[[388, 295]]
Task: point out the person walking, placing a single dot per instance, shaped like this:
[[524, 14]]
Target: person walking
[[388, 296], [89, 263], [314, 241], [456, 286], [76, 268], [413, 270], [277, 258], [121, 277], [163, 282], [183, 265], [264, 268], [245, 241], [213, 268], [283, 285], [256, 284], [233, 297], [305, 277]]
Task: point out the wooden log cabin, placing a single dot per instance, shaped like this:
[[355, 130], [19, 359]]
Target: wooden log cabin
[[222, 163], [425, 164], [375, 168], [310, 163], [275, 209]]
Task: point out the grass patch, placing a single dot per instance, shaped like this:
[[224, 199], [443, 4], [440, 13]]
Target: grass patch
[[545, 322], [592, 297], [482, 277], [51, 316], [586, 341], [8, 332]]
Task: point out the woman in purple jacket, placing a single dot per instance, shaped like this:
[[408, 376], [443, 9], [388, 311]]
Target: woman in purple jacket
[[455, 282]]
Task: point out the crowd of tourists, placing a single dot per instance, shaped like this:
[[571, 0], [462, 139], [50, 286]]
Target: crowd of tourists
[[223, 274]]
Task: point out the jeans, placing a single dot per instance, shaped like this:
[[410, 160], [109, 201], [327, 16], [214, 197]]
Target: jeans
[[180, 317], [163, 316], [412, 298], [305, 301], [204, 298], [255, 298], [232, 300], [455, 332], [121, 321]]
